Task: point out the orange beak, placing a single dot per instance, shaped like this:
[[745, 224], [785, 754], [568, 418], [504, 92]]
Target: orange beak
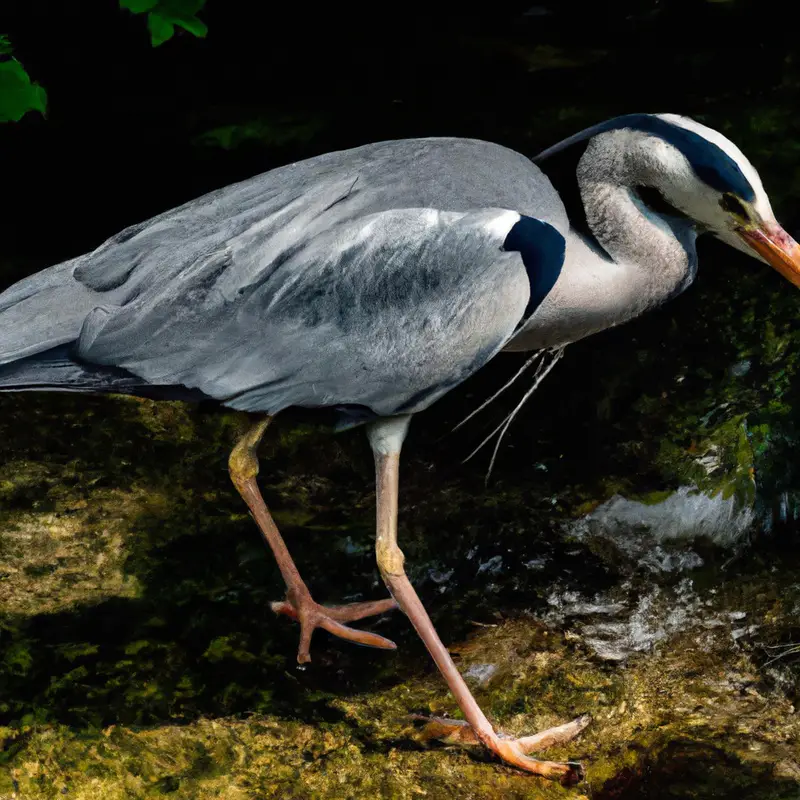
[[776, 247]]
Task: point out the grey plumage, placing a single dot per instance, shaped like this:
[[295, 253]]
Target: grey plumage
[[370, 278], [373, 280]]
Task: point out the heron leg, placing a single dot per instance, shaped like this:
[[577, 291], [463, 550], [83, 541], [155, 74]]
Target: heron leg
[[386, 438], [298, 605]]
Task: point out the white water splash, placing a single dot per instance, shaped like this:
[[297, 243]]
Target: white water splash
[[641, 530], [656, 617], [626, 621], [655, 541]]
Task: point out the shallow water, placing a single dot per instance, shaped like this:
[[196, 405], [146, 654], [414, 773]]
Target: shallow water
[[634, 554]]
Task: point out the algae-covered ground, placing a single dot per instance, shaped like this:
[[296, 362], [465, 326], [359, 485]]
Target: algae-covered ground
[[140, 657], [633, 556]]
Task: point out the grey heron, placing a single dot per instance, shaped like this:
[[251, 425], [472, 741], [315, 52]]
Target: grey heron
[[372, 281]]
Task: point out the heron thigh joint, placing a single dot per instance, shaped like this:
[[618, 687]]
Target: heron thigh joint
[[390, 558], [243, 460]]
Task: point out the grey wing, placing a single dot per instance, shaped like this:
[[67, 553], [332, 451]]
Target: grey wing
[[386, 313], [263, 293]]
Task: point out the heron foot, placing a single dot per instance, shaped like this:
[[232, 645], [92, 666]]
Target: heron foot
[[514, 751], [311, 615]]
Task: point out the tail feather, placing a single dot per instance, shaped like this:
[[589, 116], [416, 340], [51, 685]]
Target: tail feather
[[55, 370], [42, 312], [41, 318], [58, 371]]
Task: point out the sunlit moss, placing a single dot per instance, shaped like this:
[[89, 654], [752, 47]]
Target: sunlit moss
[[679, 695]]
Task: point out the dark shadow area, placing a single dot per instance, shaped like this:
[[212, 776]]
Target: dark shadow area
[[686, 769], [201, 639]]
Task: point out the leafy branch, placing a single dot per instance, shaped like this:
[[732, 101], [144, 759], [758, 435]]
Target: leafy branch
[[164, 15], [18, 94]]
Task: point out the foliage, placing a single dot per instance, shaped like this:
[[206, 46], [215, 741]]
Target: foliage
[[18, 94], [164, 15]]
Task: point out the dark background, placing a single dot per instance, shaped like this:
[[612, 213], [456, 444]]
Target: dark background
[[118, 142]]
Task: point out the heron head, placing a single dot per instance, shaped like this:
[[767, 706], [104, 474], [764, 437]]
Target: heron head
[[704, 175]]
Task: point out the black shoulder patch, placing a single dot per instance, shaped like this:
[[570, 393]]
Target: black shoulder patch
[[542, 249], [709, 161]]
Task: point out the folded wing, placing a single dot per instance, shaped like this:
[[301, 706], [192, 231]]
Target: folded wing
[[386, 312]]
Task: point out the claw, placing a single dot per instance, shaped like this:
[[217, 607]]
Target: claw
[[567, 772], [346, 613], [311, 616], [448, 731], [553, 736], [354, 611], [514, 751], [353, 635]]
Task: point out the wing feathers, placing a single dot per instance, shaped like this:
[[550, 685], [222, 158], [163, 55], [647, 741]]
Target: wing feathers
[[370, 312]]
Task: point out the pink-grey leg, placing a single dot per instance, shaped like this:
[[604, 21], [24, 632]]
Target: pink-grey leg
[[386, 437], [298, 605]]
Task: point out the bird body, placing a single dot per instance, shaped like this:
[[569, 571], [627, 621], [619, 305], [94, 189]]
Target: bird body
[[374, 280], [371, 280]]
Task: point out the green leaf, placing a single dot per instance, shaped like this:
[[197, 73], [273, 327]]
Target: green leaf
[[18, 94], [160, 27], [164, 15], [193, 25], [5, 46]]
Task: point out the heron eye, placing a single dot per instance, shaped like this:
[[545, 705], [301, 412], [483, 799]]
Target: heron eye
[[733, 205]]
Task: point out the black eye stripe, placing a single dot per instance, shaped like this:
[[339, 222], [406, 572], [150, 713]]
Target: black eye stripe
[[709, 161]]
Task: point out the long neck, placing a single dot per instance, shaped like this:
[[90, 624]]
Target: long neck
[[628, 260], [651, 248]]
